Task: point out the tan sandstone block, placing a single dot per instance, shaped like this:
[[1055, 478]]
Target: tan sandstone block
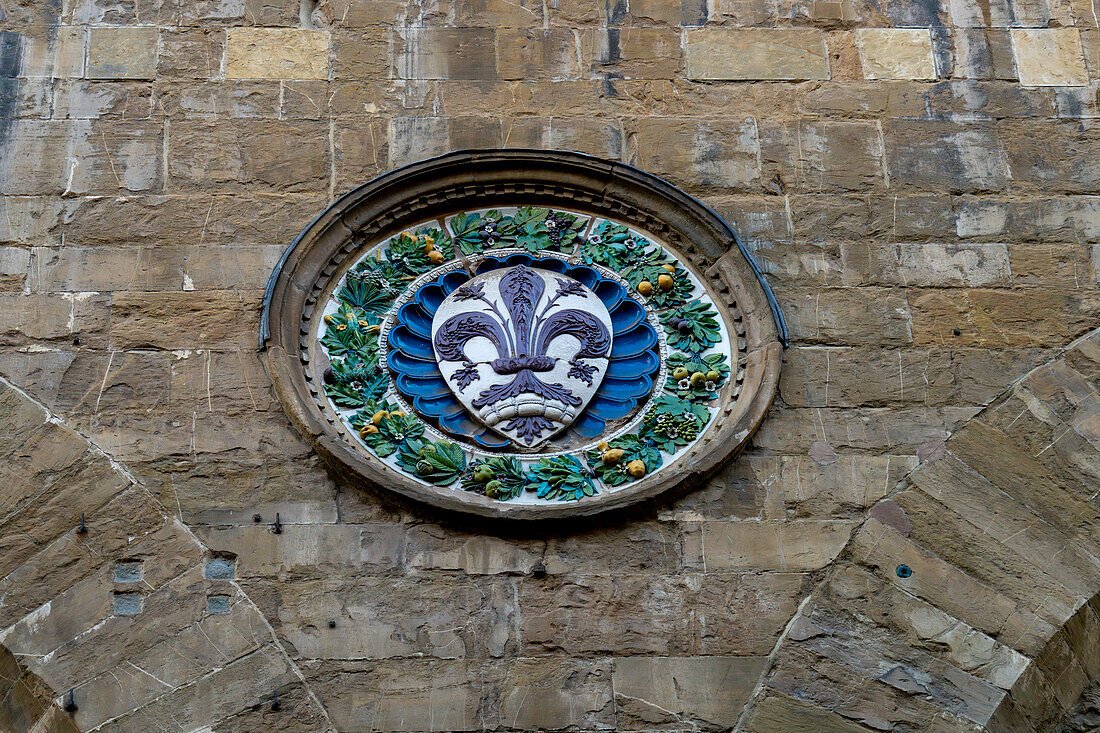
[[276, 53], [1049, 57], [896, 53], [757, 53], [122, 53]]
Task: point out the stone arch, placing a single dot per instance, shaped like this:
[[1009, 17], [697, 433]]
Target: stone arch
[[968, 599], [103, 592]]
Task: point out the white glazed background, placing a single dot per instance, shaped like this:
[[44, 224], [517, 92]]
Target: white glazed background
[[527, 460]]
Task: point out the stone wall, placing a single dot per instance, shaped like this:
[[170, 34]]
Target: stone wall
[[920, 180]]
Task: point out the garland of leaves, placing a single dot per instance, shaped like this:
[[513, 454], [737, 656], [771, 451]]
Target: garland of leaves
[[354, 379]]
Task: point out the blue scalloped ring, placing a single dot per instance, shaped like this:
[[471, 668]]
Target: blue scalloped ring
[[634, 364]]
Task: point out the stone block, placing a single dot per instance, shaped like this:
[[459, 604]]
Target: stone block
[[235, 687], [253, 156], [431, 547], [988, 318], [70, 55], [844, 156], [776, 711], [399, 695], [756, 53], [927, 264], [843, 487], [747, 546], [122, 52], [445, 53], [836, 316], [554, 693], [77, 99], [641, 614], [176, 660], [276, 53], [948, 157], [1049, 56], [879, 430], [202, 320], [896, 53], [654, 692], [191, 53], [701, 154], [639, 547], [936, 581], [261, 552], [529, 53], [360, 54], [446, 617], [632, 53]]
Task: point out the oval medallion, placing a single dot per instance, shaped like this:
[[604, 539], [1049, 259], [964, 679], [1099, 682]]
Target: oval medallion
[[488, 346]]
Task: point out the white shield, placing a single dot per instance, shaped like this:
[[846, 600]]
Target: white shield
[[523, 349]]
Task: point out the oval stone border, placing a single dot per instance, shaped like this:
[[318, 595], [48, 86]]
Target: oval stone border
[[479, 179]]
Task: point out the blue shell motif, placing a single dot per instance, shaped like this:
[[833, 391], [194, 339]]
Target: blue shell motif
[[633, 366]]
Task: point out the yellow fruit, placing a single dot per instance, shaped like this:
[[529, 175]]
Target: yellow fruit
[[713, 376], [406, 237], [429, 242], [378, 416], [612, 456], [329, 319], [665, 282], [603, 445], [374, 329], [698, 378], [636, 468], [645, 287], [669, 268], [397, 413], [681, 373], [435, 257], [368, 430]]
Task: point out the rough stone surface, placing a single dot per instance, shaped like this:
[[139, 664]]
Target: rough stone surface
[[917, 181]]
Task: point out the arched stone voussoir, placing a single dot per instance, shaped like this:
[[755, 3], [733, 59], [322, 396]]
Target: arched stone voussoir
[[112, 612], [969, 599]]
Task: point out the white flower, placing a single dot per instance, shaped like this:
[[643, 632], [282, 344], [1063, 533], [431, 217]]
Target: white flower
[[683, 383], [709, 386], [595, 238]]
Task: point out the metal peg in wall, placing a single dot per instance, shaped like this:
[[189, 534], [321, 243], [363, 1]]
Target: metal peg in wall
[[277, 528]]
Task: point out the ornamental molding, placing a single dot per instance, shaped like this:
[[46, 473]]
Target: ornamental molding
[[522, 334]]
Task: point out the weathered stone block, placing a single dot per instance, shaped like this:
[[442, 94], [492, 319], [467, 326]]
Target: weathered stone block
[[191, 53], [447, 617], [847, 316], [276, 53], [122, 53], [552, 693], [257, 156], [776, 711], [445, 53], [261, 552], [360, 54], [670, 691], [896, 53], [797, 546], [633, 53], [1049, 56], [414, 694], [430, 547], [700, 154], [202, 319], [756, 53]]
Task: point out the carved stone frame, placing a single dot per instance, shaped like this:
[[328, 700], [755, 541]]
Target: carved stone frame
[[493, 178]]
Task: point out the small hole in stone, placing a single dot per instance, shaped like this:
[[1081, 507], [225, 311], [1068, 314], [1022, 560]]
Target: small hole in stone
[[128, 571], [127, 604], [957, 332], [257, 518], [218, 568], [904, 571], [217, 604], [332, 624]]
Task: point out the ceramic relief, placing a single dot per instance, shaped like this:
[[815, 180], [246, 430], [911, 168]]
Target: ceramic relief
[[526, 354]]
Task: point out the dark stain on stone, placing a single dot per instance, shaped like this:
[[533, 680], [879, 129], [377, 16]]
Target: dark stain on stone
[[891, 515], [616, 12], [693, 12], [11, 44]]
